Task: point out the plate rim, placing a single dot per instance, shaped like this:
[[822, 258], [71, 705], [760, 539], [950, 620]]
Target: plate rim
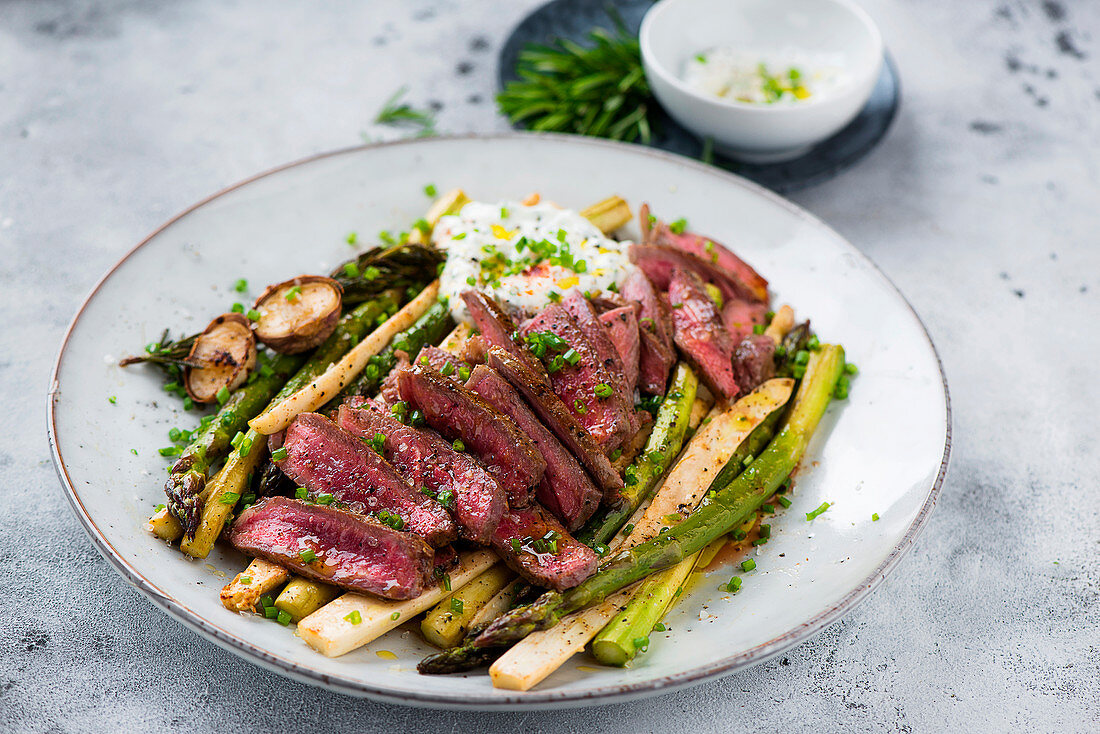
[[518, 699]]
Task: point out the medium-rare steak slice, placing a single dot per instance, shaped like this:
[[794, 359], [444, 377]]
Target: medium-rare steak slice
[[328, 461], [656, 354], [754, 361], [428, 461], [622, 327], [565, 488], [656, 232], [444, 363], [555, 416], [588, 389], [539, 549], [457, 413], [659, 261], [498, 328], [700, 335], [334, 546], [741, 316]]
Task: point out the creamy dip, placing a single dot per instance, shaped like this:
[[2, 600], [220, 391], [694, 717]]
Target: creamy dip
[[788, 77], [525, 255]]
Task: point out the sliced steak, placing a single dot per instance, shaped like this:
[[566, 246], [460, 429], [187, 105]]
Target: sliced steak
[[659, 261], [700, 334], [588, 388], [555, 416], [334, 546], [498, 328], [565, 488], [326, 460], [443, 362], [388, 388], [740, 316], [428, 461], [539, 549], [656, 232], [754, 361], [457, 413], [622, 327], [656, 354]]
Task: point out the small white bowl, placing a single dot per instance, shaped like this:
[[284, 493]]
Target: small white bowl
[[674, 31]]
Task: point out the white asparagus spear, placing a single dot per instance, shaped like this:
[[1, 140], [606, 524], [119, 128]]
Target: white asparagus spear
[[335, 378], [540, 654]]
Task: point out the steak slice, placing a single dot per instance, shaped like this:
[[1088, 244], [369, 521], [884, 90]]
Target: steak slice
[[588, 388], [326, 460], [659, 261], [538, 548], [622, 328], [754, 361], [707, 249], [700, 335], [388, 388], [565, 488], [426, 460], [457, 413], [555, 416], [740, 316], [443, 362], [498, 328], [340, 547], [656, 354]]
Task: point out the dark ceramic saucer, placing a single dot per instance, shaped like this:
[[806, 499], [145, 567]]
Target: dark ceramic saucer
[[573, 19]]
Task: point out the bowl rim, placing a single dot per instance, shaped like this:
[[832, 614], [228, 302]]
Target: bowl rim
[[512, 700], [869, 73]]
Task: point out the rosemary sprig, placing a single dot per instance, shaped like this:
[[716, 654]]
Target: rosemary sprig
[[600, 90], [168, 354], [405, 115]]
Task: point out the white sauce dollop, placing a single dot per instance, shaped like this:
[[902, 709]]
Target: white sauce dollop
[[785, 77], [523, 255]]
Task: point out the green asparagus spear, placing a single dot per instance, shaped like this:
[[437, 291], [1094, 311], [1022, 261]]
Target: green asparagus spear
[[405, 266], [428, 329], [729, 507], [211, 442], [661, 449], [350, 329]]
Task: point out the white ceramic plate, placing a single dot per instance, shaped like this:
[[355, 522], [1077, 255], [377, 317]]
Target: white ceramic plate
[[886, 447]]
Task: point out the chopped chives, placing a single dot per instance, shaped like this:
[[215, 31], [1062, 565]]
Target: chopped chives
[[448, 369], [283, 617], [734, 584], [351, 269], [223, 395], [160, 508], [783, 501], [603, 390], [294, 292], [307, 556], [811, 515], [659, 627], [246, 580], [748, 564], [253, 315], [447, 581], [241, 285], [325, 498], [456, 605], [354, 616], [237, 308], [767, 509], [271, 612], [758, 328], [458, 445], [430, 190], [395, 616], [678, 226], [112, 400], [301, 493], [351, 238], [874, 517], [229, 498], [279, 454], [641, 643]]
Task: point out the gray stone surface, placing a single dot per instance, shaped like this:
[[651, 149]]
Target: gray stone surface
[[983, 205]]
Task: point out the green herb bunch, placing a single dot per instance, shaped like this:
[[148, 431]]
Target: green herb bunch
[[599, 90]]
